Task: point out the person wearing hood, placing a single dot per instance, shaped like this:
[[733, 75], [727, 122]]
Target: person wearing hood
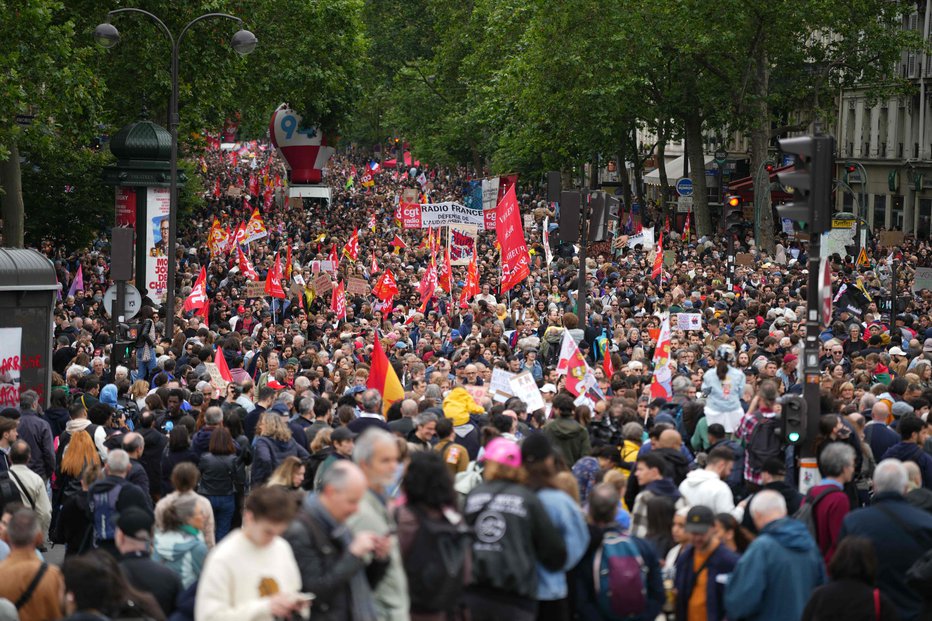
[[761, 588], [707, 487], [650, 473], [460, 407], [180, 545], [912, 436], [272, 445], [671, 449], [567, 435]]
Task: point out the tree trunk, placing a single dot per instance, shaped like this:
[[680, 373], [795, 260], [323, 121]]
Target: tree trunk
[[760, 139], [11, 200], [662, 166], [623, 174], [696, 155], [594, 172], [638, 169]]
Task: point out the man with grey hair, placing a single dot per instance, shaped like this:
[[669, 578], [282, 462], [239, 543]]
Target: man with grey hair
[[134, 445], [829, 501], [376, 453], [405, 425], [876, 432], [37, 433], [370, 414], [213, 418], [901, 534], [111, 495], [760, 583], [425, 428]]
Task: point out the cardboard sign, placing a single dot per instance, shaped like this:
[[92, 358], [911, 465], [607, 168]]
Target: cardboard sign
[[357, 286], [669, 257], [890, 239], [500, 385], [322, 283], [255, 289], [744, 258], [525, 388], [923, 279], [215, 378], [478, 393]]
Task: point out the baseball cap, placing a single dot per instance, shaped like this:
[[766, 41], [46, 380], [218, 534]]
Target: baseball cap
[[788, 358], [133, 521], [548, 388], [927, 346], [274, 385], [896, 351], [503, 451], [699, 520], [341, 434]]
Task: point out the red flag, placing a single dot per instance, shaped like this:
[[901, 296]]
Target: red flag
[[686, 232], [351, 249], [428, 283], [445, 272], [288, 267], [385, 287], [239, 235], [222, 366], [471, 287], [579, 377], [658, 258], [382, 377], [333, 258], [338, 301], [607, 365], [398, 244], [198, 296], [660, 385], [217, 191], [253, 185], [510, 234], [245, 267], [374, 268], [204, 312], [273, 280]]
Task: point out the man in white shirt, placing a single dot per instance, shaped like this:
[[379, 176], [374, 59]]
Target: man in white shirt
[[252, 575], [707, 487], [31, 486]]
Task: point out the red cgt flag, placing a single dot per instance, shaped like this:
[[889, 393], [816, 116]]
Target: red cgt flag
[[385, 287], [658, 259], [516, 262], [338, 301], [351, 249], [273, 280], [198, 297], [245, 266]]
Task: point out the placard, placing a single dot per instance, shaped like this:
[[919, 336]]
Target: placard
[[158, 201], [500, 385], [525, 388], [645, 238], [357, 286], [890, 239], [689, 321], [255, 289], [669, 257], [11, 351], [215, 378], [744, 258], [322, 283], [478, 393], [462, 243], [923, 279]]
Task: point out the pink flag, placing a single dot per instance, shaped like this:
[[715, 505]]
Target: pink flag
[[78, 283]]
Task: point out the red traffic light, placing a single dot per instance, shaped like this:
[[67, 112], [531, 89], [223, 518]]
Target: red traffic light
[[769, 168], [851, 168]]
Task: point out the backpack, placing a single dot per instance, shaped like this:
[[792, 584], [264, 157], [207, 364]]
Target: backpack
[[765, 442], [550, 346], [806, 512], [102, 508], [620, 577], [8, 490], [467, 480], [436, 563]]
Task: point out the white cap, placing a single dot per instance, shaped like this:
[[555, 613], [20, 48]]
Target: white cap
[[548, 388]]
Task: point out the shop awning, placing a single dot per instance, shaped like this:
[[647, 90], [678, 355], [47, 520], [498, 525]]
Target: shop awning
[[745, 187], [674, 171]]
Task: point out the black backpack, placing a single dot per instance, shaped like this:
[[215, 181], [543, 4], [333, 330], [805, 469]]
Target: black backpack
[[436, 562], [765, 442], [8, 490]]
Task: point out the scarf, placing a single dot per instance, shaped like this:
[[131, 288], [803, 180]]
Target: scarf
[[77, 424]]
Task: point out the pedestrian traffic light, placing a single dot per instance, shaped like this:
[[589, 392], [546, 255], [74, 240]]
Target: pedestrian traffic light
[[793, 409], [122, 352], [732, 217], [811, 181], [769, 167]]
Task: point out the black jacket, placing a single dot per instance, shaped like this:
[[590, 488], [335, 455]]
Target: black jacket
[[847, 600], [137, 476], [169, 461], [151, 458], [218, 475], [790, 494], [152, 577], [321, 549]]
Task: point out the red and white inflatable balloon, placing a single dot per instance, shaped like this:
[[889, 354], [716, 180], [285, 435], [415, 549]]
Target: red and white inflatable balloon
[[304, 149]]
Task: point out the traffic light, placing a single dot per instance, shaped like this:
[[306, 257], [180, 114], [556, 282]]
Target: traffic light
[[732, 217], [794, 418], [811, 181], [769, 167], [850, 169], [122, 352]]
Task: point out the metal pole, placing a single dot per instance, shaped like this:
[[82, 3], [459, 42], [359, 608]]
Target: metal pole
[[812, 391], [173, 198], [581, 284], [892, 291]]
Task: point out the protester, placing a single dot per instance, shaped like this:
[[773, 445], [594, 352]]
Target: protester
[[700, 595], [95, 588], [133, 540], [179, 543], [33, 585]]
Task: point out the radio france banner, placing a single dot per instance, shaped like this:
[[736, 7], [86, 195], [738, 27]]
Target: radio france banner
[[462, 243], [158, 201], [438, 214], [645, 238]]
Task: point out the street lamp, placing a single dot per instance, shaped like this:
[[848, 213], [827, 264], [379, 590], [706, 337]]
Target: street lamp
[[243, 42]]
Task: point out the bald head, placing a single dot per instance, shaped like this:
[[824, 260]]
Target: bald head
[[880, 411], [670, 438], [342, 487]]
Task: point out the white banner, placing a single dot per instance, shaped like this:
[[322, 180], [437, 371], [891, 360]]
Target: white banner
[[11, 342], [440, 214], [645, 238], [689, 321], [462, 243], [158, 201]]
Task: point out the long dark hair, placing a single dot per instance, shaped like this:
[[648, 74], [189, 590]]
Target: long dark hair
[[721, 369], [427, 482], [96, 583], [854, 559]]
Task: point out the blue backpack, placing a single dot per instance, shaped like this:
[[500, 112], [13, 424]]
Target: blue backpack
[[102, 507], [620, 578]]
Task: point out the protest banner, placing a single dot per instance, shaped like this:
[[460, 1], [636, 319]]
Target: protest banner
[[255, 289], [525, 388], [215, 377], [357, 286], [322, 283], [439, 214], [500, 385], [923, 279], [462, 243], [644, 239]]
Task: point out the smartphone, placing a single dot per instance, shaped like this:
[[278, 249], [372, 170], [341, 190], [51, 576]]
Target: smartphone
[[306, 597]]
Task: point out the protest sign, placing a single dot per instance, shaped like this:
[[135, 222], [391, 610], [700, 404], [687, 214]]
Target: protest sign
[[322, 283], [255, 289], [357, 286], [215, 378], [500, 385], [689, 321], [525, 388]]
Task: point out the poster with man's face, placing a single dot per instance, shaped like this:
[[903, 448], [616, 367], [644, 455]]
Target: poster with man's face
[[158, 201]]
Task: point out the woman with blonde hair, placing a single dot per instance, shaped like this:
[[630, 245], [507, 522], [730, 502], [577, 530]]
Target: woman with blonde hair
[[290, 474], [138, 392], [273, 444]]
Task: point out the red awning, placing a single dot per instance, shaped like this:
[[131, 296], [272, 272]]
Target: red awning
[[745, 187]]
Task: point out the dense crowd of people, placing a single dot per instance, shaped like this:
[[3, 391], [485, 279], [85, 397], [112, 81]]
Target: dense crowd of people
[[299, 487]]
